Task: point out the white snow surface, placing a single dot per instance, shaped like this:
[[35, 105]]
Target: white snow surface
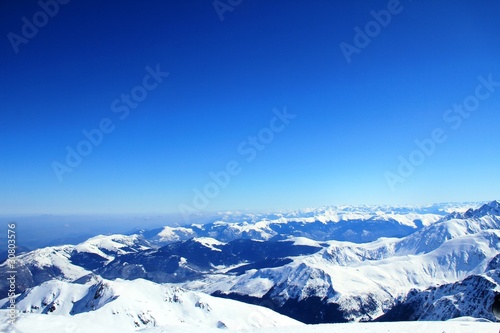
[[105, 246], [447, 250], [128, 306], [57, 256], [353, 275], [30, 323], [117, 244], [211, 243], [173, 234]]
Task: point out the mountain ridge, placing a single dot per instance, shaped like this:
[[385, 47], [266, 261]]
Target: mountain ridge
[[312, 280]]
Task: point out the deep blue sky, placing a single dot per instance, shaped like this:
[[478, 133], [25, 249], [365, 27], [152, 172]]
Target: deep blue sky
[[352, 121]]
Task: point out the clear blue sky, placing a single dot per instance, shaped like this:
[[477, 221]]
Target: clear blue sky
[[353, 120]]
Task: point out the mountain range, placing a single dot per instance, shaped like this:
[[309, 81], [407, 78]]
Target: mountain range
[[327, 265]]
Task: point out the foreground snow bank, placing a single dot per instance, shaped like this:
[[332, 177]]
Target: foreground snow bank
[[129, 306], [40, 323]]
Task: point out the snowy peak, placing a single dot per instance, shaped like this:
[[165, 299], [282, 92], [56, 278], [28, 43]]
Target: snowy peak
[[355, 224], [71, 262], [211, 243], [489, 209], [59, 297], [473, 221], [112, 245], [98, 251], [472, 297], [143, 304], [492, 208], [174, 234]]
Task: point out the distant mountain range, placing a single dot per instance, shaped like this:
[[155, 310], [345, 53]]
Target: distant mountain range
[[334, 264]]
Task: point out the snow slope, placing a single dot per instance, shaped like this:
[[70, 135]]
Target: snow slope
[[138, 304], [310, 280], [112, 245], [366, 280], [473, 296], [29, 323], [70, 262]]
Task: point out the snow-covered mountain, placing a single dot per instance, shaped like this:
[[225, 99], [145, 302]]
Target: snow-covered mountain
[[138, 304], [194, 258], [472, 296], [348, 281], [299, 264], [348, 223], [70, 262]]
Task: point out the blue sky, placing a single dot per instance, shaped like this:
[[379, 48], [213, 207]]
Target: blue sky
[[352, 119]]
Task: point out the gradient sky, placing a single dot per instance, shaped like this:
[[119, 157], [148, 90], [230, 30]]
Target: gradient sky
[[353, 120]]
